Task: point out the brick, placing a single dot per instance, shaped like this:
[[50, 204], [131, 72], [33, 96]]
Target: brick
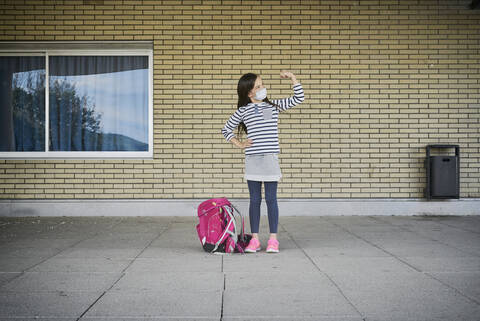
[[378, 89]]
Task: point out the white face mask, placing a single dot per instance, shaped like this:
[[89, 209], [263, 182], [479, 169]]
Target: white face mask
[[261, 94]]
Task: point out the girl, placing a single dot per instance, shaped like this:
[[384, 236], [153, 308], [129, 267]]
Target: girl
[[257, 116]]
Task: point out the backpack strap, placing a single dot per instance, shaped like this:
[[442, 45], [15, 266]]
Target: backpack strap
[[242, 231], [230, 210], [227, 228]]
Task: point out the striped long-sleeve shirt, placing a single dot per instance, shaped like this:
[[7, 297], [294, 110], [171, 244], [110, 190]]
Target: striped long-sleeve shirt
[[262, 122]]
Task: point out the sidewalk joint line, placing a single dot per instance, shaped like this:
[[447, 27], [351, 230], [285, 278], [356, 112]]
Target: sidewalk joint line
[[451, 287], [323, 272], [426, 236], [122, 274], [48, 258], [377, 246], [458, 228], [223, 292], [427, 273]]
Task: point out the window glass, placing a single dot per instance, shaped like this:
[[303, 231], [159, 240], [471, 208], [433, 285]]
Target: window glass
[[22, 103], [98, 103]]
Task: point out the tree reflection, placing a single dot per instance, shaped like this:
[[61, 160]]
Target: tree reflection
[[74, 123], [28, 106]]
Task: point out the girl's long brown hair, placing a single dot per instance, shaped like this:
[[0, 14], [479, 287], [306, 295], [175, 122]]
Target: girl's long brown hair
[[245, 84]]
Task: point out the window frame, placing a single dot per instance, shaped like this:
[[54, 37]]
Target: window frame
[[88, 51]]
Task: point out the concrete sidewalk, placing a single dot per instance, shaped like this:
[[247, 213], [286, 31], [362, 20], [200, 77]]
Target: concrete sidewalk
[[153, 268]]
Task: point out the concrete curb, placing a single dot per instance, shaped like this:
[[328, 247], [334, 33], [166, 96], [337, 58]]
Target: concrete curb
[[288, 207]]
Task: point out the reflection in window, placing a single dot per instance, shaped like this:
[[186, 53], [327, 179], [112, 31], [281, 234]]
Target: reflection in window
[[98, 103], [22, 104]]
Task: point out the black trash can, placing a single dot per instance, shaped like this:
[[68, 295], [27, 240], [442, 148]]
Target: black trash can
[[443, 174]]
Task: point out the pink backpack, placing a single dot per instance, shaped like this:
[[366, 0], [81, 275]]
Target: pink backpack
[[217, 229]]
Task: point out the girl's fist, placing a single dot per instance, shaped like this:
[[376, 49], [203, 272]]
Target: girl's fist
[[286, 74]]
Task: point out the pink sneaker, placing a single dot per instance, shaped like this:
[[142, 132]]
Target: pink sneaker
[[272, 246], [253, 246]]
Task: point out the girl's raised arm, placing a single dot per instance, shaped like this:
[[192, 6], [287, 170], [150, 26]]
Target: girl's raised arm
[[297, 97]]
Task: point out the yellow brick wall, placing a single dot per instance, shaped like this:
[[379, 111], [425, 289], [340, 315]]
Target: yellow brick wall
[[382, 80]]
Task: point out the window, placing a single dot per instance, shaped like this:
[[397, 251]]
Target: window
[[22, 104], [74, 103]]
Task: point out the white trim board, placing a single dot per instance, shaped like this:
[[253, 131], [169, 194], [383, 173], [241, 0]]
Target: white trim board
[[287, 207]]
